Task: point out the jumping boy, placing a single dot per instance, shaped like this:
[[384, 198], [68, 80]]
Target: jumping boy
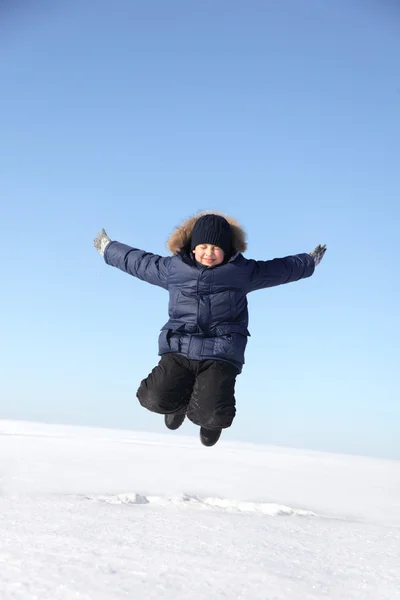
[[202, 345]]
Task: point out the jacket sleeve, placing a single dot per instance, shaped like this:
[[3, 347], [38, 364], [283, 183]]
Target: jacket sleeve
[[269, 273], [143, 265]]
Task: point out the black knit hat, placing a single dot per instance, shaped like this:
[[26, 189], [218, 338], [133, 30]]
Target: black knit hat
[[215, 230]]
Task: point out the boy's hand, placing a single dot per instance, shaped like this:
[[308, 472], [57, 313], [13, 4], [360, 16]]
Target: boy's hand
[[101, 241], [318, 254]]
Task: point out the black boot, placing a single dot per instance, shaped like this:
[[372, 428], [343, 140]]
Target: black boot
[[174, 420], [209, 437]]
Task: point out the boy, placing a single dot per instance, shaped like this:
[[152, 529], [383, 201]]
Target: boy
[[203, 343]]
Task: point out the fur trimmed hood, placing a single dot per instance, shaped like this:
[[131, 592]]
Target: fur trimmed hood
[[180, 238]]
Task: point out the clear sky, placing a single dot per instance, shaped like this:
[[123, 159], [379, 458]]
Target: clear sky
[[134, 115]]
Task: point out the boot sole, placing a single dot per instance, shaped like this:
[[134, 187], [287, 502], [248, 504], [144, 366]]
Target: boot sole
[[209, 443], [174, 426]]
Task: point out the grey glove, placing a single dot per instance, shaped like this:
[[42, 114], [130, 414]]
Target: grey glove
[[318, 254], [101, 241]]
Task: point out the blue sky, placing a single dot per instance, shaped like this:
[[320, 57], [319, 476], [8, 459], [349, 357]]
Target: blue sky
[[133, 116]]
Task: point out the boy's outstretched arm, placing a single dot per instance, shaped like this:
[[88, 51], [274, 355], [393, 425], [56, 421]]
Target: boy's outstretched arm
[[143, 265], [269, 273]]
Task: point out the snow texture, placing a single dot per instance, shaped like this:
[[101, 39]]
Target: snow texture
[[102, 514]]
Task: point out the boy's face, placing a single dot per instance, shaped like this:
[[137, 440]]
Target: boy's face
[[208, 255]]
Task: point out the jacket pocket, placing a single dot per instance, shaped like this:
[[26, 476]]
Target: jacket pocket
[[230, 346], [169, 341], [173, 304]]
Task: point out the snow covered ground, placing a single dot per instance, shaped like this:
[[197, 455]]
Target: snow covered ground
[[107, 514]]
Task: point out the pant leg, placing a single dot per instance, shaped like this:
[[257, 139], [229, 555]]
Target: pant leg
[[168, 387], [212, 404]]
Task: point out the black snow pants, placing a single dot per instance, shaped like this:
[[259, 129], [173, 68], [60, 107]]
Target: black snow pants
[[203, 389]]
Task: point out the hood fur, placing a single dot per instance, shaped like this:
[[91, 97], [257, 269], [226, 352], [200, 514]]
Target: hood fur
[[180, 238]]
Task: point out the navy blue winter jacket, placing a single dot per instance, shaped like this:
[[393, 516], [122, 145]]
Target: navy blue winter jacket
[[208, 316]]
